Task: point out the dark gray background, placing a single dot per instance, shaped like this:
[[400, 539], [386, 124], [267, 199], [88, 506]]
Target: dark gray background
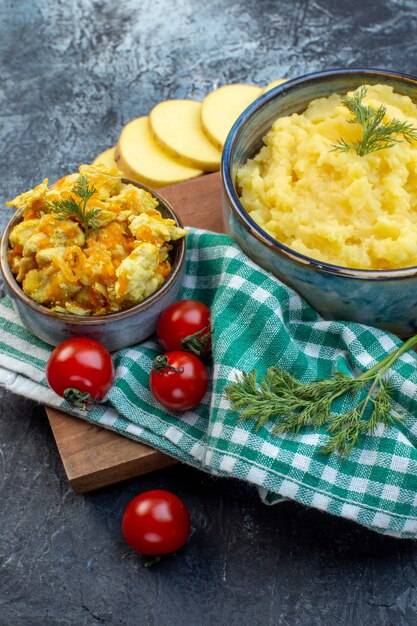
[[72, 73]]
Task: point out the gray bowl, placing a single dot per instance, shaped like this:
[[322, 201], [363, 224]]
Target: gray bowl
[[386, 299], [115, 330]]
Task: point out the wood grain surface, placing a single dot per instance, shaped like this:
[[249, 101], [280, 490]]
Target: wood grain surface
[[92, 456]]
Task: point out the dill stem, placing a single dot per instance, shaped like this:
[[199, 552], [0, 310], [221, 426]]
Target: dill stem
[[84, 205], [382, 366], [378, 370], [368, 397]]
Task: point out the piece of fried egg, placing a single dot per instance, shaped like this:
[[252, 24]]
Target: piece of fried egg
[[156, 230], [137, 277]]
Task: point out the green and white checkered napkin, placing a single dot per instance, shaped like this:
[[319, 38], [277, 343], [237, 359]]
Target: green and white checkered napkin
[[257, 322]]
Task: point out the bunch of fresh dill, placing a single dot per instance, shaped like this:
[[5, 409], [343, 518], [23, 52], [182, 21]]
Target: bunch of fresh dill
[[294, 405]]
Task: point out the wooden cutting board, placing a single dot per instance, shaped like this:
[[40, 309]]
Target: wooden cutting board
[[92, 456]]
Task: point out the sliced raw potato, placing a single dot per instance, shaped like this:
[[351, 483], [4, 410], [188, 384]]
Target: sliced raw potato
[[274, 83], [142, 159], [176, 126], [221, 108], [106, 158]]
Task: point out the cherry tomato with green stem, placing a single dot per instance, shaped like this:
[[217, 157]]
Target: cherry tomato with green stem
[[178, 380], [80, 370], [185, 325]]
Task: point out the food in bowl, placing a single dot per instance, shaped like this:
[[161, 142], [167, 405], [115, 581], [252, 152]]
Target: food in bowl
[[333, 204], [90, 244]]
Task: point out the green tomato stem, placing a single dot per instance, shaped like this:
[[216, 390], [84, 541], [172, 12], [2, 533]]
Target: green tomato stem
[[160, 364]]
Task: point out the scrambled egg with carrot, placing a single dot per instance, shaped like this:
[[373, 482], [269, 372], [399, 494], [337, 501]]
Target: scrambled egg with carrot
[[90, 244], [338, 207]]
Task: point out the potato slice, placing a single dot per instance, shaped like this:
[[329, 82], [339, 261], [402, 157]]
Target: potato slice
[[221, 108], [274, 83], [106, 158], [176, 126], [142, 159]]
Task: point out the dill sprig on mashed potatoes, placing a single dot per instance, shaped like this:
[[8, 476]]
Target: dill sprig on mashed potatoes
[[105, 257], [338, 207], [377, 134]]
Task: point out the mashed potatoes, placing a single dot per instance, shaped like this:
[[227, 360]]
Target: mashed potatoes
[[117, 261], [338, 207]]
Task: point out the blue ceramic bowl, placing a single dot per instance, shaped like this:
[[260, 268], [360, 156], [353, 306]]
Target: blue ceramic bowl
[[115, 330], [387, 299]]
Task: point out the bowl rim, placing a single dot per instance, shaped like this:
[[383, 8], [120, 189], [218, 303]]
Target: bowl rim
[[249, 223], [95, 320]]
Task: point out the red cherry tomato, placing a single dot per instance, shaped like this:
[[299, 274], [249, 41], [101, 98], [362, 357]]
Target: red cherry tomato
[[156, 522], [185, 325], [178, 380], [80, 369]]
